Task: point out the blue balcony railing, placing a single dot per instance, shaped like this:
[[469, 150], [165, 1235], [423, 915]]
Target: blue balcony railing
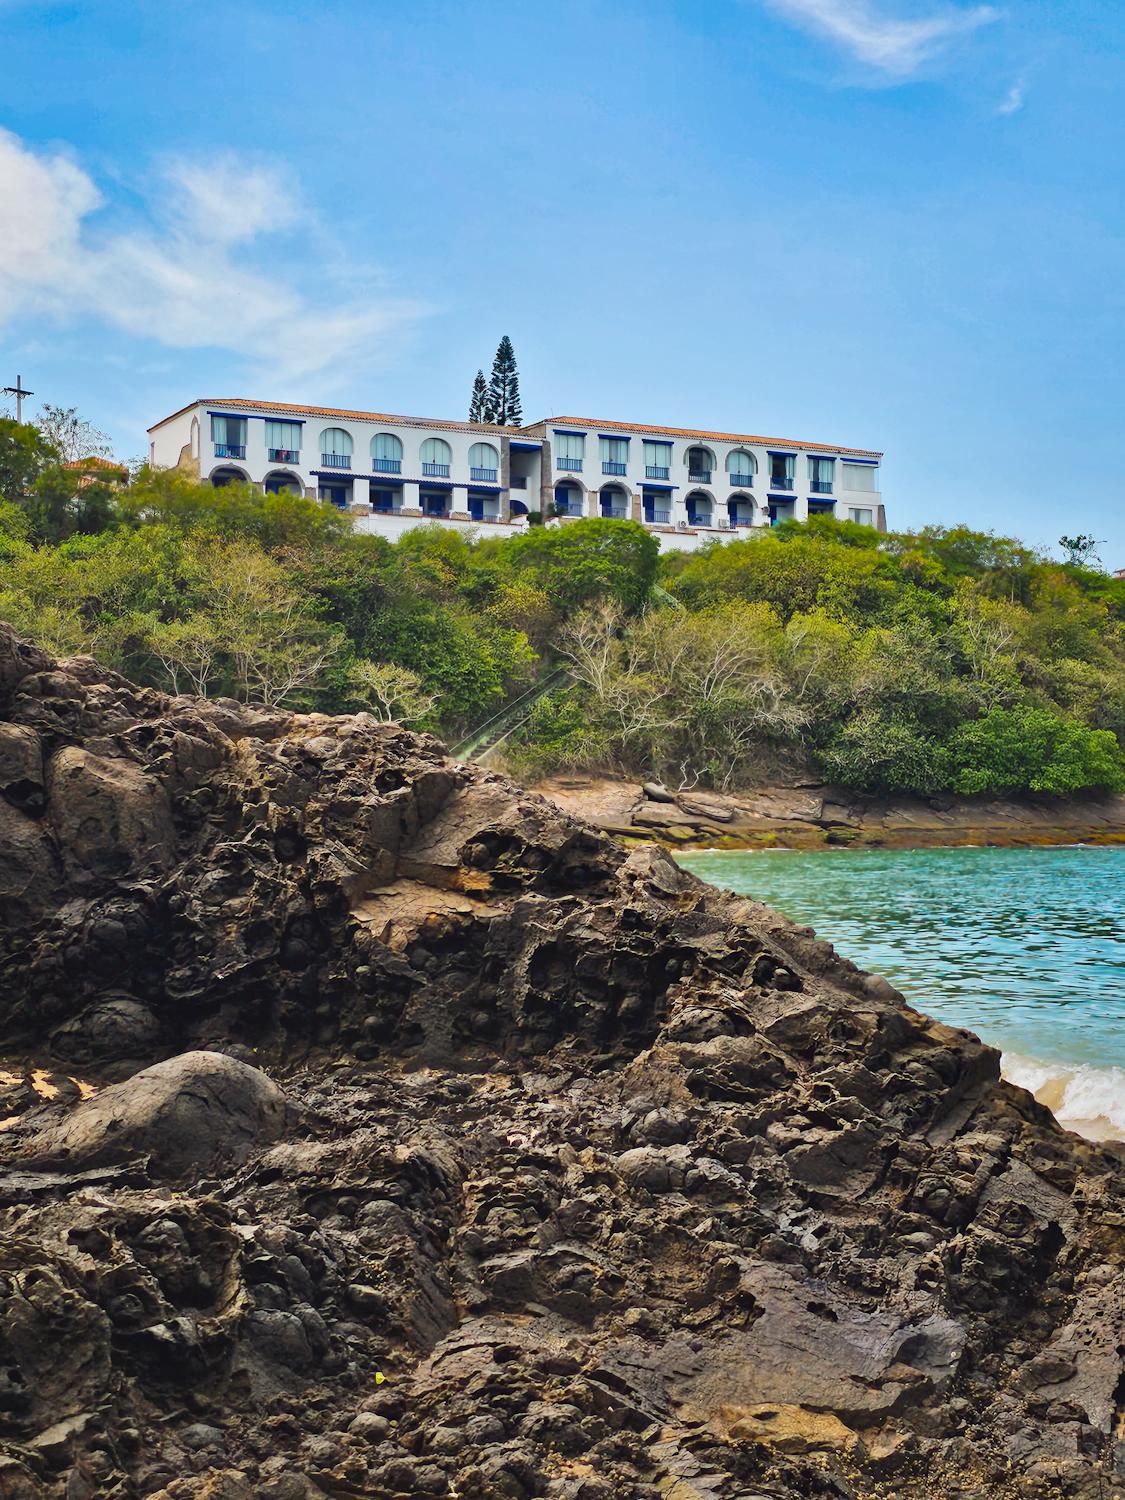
[[699, 518], [613, 512], [699, 476], [386, 465], [336, 460], [283, 455], [821, 486], [230, 450], [658, 517], [436, 471], [742, 481], [574, 465], [781, 482], [481, 476], [611, 466], [657, 471]]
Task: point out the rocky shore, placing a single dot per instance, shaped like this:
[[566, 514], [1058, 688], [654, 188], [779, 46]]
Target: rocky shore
[[371, 1127], [816, 816]]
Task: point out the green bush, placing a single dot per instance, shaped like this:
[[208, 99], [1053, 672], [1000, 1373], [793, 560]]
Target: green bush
[[1034, 750]]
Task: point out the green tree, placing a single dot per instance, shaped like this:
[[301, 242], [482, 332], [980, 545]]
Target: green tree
[[480, 406], [586, 560], [875, 752], [1034, 750], [24, 454], [504, 387]]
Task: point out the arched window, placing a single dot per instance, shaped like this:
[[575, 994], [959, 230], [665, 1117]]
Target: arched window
[[195, 437], [700, 463], [484, 463], [386, 453], [336, 448], [436, 457], [741, 466]]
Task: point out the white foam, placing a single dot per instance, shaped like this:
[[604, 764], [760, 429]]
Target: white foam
[[1088, 1100]]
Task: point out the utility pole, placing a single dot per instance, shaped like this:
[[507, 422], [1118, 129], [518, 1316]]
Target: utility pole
[[19, 393]]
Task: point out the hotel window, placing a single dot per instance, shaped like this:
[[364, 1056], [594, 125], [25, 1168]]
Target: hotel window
[[229, 436], [821, 471], [741, 466], [336, 448], [386, 453], [484, 463], [614, 453], [283, 441], [437, 455], [570, 449], [861, 477], [861, 517], [782, 468], [658, 460]]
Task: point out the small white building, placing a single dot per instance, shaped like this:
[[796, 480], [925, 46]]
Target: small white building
[[690, 487]]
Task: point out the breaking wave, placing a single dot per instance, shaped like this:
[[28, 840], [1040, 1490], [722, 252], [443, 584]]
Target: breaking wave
[[1088, 1100]]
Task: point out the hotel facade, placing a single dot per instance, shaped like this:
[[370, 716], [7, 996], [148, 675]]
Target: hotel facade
[[391, 473]]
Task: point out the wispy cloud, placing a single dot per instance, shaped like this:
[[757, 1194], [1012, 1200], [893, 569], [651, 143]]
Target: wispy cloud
[[1014, 100], [896, 46], [196, 268]]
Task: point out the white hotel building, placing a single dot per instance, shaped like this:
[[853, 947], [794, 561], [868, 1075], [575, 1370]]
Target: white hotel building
[[689, 487]]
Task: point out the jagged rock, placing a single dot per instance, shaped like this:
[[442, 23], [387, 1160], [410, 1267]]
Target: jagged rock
[[580, 1179]]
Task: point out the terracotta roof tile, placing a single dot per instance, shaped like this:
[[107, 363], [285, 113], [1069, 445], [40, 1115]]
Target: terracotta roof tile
[[96, 462], [239, 403], [695, 432]]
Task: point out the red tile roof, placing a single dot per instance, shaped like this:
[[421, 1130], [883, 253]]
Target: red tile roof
[[601, 425], [87, 465], [239, 403], [285, 409]]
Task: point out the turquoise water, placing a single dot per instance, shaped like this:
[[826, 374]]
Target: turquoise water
[[1026, 947]]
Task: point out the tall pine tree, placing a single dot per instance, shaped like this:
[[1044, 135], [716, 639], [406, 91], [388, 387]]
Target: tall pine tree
[[479, 410], [504, 387]]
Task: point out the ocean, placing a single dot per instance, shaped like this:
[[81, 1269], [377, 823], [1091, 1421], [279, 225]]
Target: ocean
[[1025, 947]]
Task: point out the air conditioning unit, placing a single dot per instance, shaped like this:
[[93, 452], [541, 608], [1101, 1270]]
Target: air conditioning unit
[[681, 525]]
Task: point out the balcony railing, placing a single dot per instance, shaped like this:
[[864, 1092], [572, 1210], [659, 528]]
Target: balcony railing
[[610, 466], [284, 456], [657, 471], [780, 482], [230, 450], [518, 482], [336, 460], [742, 481], [563, 509], [573, 464], [699, 518], [821, 486], [658, 517], [481, 476], [613, 512], [435, 471], [699, 476], [739, 521], [386, 465]]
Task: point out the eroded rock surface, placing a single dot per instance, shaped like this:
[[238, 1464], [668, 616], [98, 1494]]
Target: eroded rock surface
[[575, 1178]]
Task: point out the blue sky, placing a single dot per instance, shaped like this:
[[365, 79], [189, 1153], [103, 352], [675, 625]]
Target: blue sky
[[889, 223]]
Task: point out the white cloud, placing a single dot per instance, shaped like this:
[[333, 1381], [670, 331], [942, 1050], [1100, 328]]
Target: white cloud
[[194, 271], [897, 47], [1014, 100]]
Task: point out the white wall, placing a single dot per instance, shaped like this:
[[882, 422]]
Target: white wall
[[719, 489], [171, 437]]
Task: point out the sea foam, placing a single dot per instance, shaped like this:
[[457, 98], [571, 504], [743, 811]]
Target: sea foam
[[1088, 1100]]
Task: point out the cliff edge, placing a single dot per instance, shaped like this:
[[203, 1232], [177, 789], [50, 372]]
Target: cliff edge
[[370, 1127]]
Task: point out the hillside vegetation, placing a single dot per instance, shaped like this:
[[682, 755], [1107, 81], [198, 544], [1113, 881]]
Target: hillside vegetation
[[946, 659]]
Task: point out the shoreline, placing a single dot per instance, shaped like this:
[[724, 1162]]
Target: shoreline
[[818, 816]]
